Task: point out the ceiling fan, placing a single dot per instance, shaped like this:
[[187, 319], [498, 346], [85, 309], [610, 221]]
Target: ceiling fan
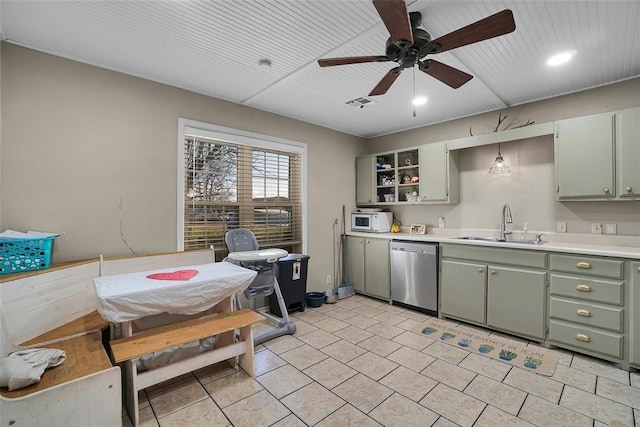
[[408, 44]]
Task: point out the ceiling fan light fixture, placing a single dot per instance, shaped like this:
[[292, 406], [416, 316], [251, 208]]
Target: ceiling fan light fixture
[[561, 58], [419, 100], [499, 166]]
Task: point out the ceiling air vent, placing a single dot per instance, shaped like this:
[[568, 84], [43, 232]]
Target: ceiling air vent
[[360, 102]]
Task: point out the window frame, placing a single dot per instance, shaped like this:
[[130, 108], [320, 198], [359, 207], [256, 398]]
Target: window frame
[[238, 137]]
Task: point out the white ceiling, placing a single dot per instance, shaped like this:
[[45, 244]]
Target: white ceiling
[[213, 47]]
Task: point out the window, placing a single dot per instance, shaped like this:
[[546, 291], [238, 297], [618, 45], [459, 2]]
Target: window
[[229, 182]]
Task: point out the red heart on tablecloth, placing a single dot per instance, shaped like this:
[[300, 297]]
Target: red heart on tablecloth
[[174, 275]]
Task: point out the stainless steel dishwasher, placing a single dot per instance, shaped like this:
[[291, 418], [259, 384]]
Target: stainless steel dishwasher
[[414, 274]]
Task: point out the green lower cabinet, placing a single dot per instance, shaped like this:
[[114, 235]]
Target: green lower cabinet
[[354, 254], [367, 264], [463, 290], [516, 301], [634, 269], [378, 271]]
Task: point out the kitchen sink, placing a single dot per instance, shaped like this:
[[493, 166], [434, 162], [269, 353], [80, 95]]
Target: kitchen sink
[[493, 239]]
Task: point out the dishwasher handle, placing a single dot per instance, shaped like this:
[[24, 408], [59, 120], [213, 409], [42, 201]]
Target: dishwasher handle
[[417, 251], [412, 247]]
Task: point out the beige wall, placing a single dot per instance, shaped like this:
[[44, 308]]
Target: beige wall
[[93, 153], [529, 189]]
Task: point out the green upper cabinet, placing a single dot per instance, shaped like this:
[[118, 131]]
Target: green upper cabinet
[[365, 168], [628, 153], [596, 157], [418, 175], [584, 150], [439, 180]]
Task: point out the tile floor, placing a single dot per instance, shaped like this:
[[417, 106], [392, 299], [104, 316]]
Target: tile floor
[[356, 363]]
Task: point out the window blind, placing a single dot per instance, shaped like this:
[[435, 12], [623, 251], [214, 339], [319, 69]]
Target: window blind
[[229, 186]]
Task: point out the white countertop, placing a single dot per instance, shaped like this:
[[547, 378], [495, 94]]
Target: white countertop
[[586, 244]]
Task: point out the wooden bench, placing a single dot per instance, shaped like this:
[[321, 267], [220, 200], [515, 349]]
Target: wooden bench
[[55, 308], [86, 371], [222, 326]]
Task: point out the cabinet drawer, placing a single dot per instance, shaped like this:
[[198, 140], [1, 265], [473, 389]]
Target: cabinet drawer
[[597, 341], [524, 258], [606, 291], [596, 315], [588, 265]]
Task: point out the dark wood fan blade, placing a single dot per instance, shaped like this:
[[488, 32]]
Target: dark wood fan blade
[[396, 18], [383, 85], [446, 74], [495, 25], [329, 62]]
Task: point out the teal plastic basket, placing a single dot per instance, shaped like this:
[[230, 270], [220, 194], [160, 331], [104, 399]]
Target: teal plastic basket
[[20, 255]]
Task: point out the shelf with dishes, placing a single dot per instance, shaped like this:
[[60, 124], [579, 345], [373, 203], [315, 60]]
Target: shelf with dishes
[[424, 174]]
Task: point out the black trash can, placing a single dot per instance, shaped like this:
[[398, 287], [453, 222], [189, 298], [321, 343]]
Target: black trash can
[[291, 272]]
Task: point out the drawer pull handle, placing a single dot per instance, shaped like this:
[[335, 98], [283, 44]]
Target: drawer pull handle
[[584, 288], [582, 312], [583, 264], [583, 337]]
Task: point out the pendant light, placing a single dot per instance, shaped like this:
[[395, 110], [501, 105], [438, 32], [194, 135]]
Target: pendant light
[[499, 166]]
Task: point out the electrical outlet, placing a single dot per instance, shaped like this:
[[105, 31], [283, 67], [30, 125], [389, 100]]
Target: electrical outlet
[[440, 222], [596, 228], [610, 229], [328, 279], [561, 227]]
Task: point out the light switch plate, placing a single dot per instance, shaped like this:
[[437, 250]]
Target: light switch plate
[[596, 228], [610, 229], [561, 227]]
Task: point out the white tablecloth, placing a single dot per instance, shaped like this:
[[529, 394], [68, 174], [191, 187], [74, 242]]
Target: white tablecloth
[[126, 297]]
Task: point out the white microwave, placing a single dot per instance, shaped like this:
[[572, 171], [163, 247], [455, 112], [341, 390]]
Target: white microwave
[[372, 222]]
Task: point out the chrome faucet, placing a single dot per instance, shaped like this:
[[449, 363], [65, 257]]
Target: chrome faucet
[[506, 219]]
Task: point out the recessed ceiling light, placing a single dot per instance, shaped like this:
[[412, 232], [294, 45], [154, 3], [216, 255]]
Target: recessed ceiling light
[[264, 63], [419, 100], [561, 58]]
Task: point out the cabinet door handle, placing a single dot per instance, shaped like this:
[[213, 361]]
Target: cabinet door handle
[[481, 270], [493, 272], [605, 190], [584, 288], [583, 312], [368, 241], [583, 264], [583, 337], [628, 189]]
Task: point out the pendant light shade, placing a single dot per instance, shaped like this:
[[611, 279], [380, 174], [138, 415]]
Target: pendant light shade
[[499, 166]]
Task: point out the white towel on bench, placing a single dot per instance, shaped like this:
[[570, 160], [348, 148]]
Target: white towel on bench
[[25, 367]]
